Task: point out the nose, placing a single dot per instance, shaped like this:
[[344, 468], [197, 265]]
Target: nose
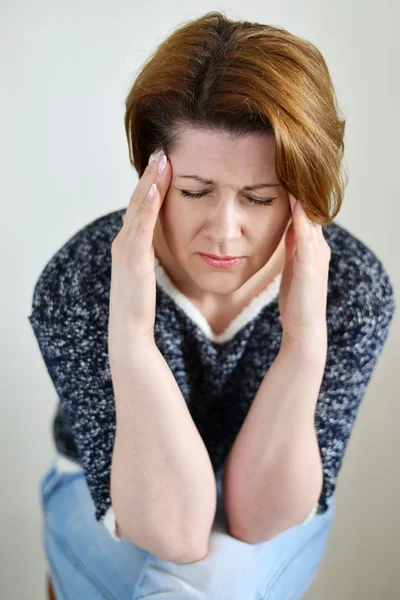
[[223, 225]]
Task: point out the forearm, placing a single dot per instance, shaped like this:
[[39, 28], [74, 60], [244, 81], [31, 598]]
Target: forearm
[[162, 481], [273, 474]]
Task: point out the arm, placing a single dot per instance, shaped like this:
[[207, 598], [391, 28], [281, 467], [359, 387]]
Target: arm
[[162, 482], [273, 473], [355, 342], [170, 454]]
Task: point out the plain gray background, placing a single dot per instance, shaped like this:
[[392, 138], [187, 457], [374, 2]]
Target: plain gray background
[[66, 68]]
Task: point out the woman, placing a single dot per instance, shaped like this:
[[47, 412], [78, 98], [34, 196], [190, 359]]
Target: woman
[[206, 404]]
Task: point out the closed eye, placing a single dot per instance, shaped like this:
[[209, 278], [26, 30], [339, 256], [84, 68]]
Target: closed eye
[[251, 199]]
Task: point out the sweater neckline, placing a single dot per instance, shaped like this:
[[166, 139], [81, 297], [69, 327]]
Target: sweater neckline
[[247, 314]]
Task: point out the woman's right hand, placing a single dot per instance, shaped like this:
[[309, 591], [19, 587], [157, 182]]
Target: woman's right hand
[[133, 281]]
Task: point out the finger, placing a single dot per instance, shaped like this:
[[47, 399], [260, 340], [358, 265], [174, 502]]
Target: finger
[[290, 244], [140, 203], [139, 194], [315, 228], [140, 233], [305, 239], [316, 231], [141, 215], [321, 247]]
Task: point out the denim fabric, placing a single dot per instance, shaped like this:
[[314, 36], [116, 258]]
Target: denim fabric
[[86, 563]]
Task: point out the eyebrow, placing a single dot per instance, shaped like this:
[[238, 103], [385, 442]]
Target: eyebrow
[[211, 182]]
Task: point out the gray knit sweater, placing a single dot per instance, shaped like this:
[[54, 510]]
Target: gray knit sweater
[[218, 375]]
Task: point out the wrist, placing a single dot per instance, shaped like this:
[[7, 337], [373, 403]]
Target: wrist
[[308, 350], [128, 345]]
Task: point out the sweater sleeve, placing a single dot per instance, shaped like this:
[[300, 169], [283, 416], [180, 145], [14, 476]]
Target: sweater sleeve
[[356, 336], [76, 357]]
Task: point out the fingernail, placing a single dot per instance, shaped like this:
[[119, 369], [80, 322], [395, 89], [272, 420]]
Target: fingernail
[[156, 154], [152, 191], [162, 164]]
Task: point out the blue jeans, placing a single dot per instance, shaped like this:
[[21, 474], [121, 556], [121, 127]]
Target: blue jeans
[[86, 563]]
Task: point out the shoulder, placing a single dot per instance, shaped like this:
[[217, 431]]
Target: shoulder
[[359, 286], [77, 277]]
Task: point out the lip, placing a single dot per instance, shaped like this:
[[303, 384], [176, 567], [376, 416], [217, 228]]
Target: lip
[[220, 264], [220, 257]]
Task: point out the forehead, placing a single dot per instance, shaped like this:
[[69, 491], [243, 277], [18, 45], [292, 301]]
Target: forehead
[[249, 155]]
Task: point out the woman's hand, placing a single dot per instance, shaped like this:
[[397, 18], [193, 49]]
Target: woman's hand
[[303, 289], [133, 281]]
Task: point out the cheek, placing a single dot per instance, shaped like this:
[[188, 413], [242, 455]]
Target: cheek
[[270, 233]]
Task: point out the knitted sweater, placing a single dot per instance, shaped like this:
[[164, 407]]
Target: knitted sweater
[[218, 374]]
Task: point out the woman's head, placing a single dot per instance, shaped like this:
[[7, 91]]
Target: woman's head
[[240, 77], [207, 208], [238, 103]]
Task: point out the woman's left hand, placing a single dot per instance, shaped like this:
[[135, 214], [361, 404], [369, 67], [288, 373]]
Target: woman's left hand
[[304, 283]]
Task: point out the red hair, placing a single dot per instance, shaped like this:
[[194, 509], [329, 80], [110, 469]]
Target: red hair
[[242, 77]]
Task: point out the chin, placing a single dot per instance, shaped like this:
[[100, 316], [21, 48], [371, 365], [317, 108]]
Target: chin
[[218, 281]]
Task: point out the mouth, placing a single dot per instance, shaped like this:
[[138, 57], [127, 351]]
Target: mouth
[[215, 257], [221, 263]]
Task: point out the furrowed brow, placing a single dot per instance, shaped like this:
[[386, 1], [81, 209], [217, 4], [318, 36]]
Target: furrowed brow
[[211, 182]]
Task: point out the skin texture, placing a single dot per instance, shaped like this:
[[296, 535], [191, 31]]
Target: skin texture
[[163, 487], [271, 487], [226, 217], [222, 222]]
